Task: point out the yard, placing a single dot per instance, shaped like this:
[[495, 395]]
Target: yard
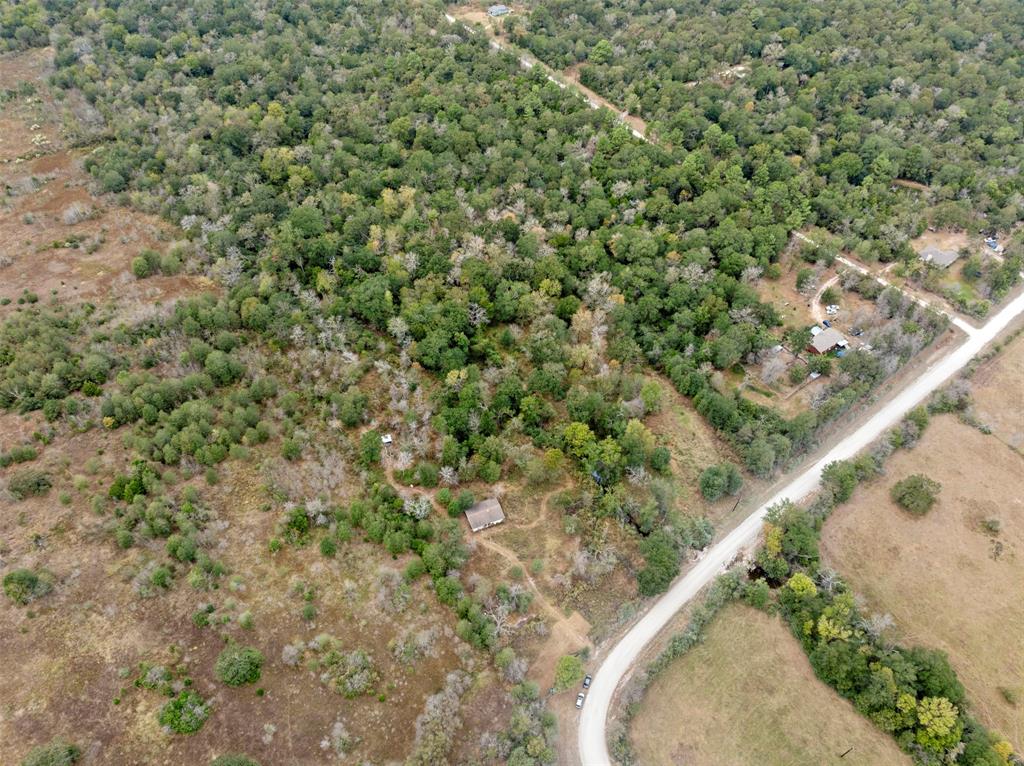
[[747, 697], [952, 578]]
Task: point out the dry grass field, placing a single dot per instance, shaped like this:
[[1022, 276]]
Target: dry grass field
[[949, 582], [747, 697], [998, 393]]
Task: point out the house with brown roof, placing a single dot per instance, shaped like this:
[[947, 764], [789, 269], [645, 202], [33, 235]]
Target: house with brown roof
[[827, 340]]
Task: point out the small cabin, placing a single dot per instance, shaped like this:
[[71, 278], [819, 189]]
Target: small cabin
[[486, 513]]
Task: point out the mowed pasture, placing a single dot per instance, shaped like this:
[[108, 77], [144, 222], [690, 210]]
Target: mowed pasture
[[747, 696], [950, 580]]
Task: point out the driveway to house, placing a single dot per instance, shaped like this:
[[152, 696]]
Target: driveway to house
[[591, 734]]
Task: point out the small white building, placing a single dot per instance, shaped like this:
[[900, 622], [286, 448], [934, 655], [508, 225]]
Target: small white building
[[485, 514], [387, 440], [498, 10]]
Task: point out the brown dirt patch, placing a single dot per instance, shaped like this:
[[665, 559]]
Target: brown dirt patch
[[747, 696], [948, 583], [943, 238]]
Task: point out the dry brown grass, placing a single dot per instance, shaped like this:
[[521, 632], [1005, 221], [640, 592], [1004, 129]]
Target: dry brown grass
[[747, 696], [998, 393], [949, 584]]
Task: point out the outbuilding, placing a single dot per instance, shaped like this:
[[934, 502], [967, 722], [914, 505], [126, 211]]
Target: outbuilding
[[498, 10], [936, 256], [485, 514]]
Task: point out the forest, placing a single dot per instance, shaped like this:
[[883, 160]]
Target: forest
[[384, 201]]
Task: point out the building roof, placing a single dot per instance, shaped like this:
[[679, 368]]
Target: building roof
[[498, 10], [485, 514], [826, 340], [939, 257]]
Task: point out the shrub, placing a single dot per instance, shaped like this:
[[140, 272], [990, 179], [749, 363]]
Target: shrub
[[185, 714], [915, 494], [29, 483], [568, 671], [56, 753], [233, 760], [239, 665], [24, 585], [718, 480]]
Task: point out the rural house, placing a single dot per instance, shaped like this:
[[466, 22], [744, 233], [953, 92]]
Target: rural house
[[827, 340], [939, 257], [485, 514], [498, 10]]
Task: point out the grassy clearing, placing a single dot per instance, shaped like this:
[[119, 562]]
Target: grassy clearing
[[947, 578], [748, 696]]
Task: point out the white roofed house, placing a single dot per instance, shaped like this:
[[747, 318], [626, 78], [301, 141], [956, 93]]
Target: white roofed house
[[484, 514], [497, 10], [936, 256]]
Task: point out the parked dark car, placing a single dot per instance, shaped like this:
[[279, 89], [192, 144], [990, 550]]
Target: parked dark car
[[586, 681]]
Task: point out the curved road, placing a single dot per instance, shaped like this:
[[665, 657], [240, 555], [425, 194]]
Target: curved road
[[593, 747]]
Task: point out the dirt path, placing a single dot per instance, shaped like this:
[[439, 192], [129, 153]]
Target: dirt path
[[466, 15], [817, 310]]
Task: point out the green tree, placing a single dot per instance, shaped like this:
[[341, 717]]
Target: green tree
[[568, 671], [915, 494]]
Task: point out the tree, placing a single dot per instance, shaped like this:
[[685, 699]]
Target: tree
[[233, 760], [568, 671], [238, 665], [939, 725], [718, 480], [915, 494]]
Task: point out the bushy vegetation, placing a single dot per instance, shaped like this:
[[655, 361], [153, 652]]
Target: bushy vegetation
[[56, 753], [29, 483], [568, 671], [239, 665], [22, 586], [233, 760], [718, 480], [184, 714], [915, 494]]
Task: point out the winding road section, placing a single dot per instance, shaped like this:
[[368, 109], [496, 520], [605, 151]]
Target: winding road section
[[592, 736]]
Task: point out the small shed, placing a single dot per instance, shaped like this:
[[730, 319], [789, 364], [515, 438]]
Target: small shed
[[485, 514], [387, 440], [826, 341], [497, 10], [936, 256]]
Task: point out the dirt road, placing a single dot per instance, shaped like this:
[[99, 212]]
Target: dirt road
[[591, 732]]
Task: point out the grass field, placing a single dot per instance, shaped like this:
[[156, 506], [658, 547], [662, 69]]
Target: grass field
[[949, 582], [747, 697], [998, 401]]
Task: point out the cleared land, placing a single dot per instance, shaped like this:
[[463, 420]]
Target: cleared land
[[949, 582], [998, 393], [748, 696]]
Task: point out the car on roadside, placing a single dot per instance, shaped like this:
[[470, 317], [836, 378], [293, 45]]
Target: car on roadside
[[579, 699], [586, 681]]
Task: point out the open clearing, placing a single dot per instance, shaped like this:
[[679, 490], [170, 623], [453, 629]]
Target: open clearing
[[948, 583], [998, 393], [748, 696]]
